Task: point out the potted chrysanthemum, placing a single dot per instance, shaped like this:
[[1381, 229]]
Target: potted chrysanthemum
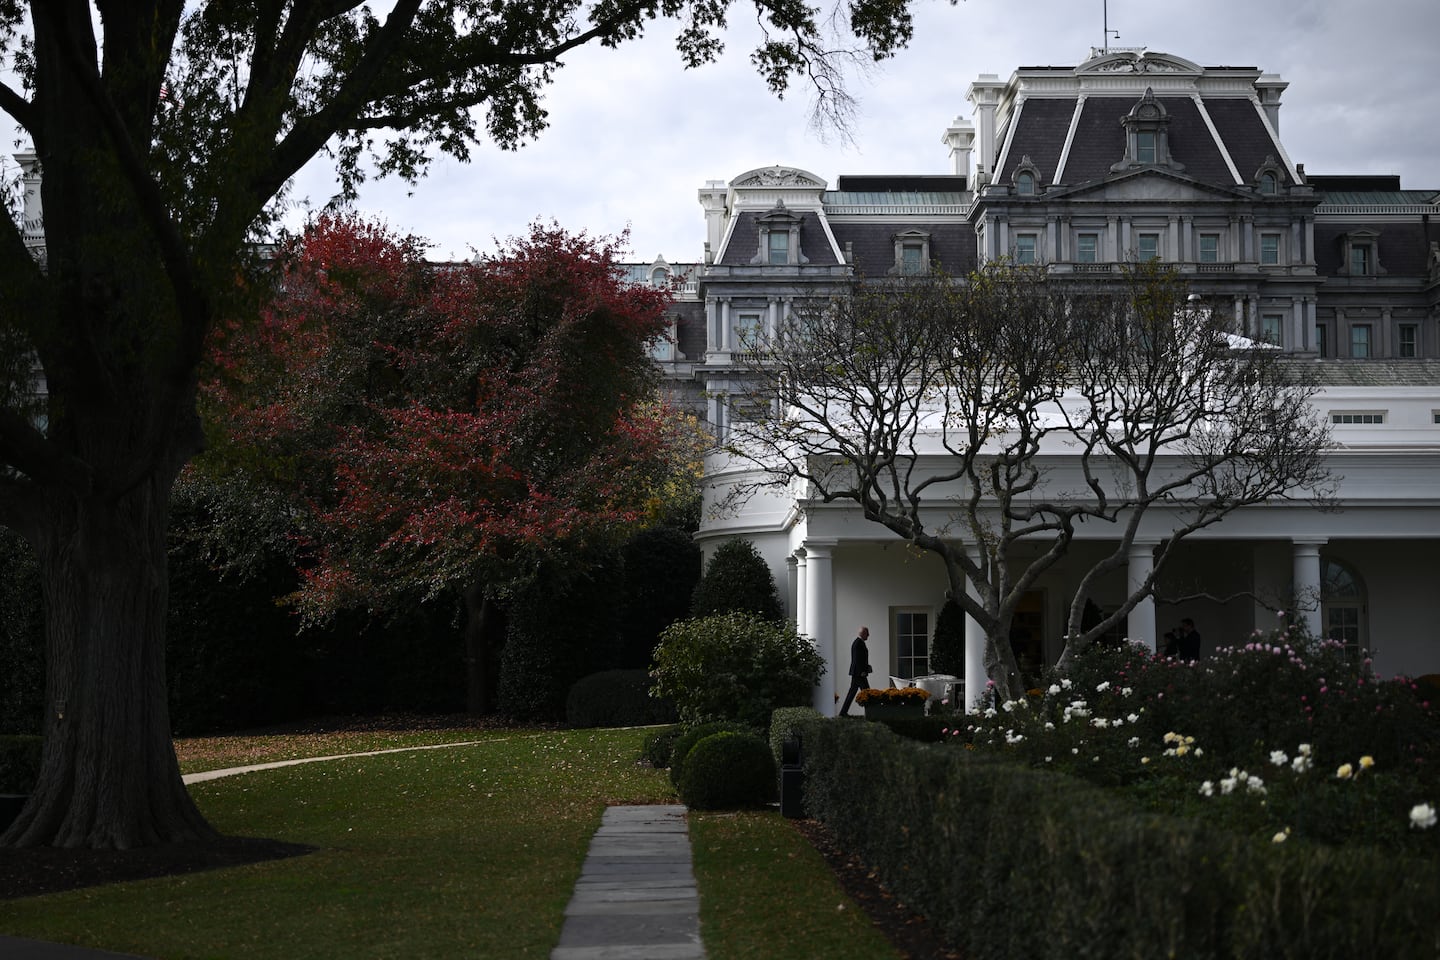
[[892, 702]]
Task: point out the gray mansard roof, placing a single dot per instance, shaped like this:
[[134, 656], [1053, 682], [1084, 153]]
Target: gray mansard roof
[[1042, 127]]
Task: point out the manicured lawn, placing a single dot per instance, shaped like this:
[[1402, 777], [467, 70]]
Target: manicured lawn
[[469, 851], [766, 894]]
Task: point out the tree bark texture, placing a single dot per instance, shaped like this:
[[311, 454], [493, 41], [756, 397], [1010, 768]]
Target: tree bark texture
[[108, 775]]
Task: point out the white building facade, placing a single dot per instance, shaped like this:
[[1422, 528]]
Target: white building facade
[[1131, 155]]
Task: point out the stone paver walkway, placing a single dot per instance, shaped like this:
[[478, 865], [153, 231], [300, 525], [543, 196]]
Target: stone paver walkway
[[636, 897]]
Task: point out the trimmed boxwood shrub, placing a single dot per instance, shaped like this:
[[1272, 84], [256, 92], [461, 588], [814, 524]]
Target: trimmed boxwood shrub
[[659, 746], [786, 722], [616, 698], [726, 771], [963, 837], [693, 735], [19, 763]]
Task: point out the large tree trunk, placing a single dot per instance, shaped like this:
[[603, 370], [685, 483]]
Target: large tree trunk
[[108, 774], [484, 635]]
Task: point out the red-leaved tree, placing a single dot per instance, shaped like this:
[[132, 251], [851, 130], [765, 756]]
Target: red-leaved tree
[[443, 429]]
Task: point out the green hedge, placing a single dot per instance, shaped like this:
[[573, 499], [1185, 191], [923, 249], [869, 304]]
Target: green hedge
[[1012, 862]]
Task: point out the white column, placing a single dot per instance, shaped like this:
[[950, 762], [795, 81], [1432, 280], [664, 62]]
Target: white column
[[1141, 622], [1306, 588], [975, 675], [820, 624], [800, 592], [793, 596]]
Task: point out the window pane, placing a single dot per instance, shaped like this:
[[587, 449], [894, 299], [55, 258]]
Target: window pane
[[1360, 340], [1145, 146], [747, 331], [779, 247], [1025, 248], [912, 644], [1209, 248], [1270, 248], [1149, 246], [1270, 327], [1322, 340], [1086, 247], [1360, 260], [912, 259], [1408, 339]]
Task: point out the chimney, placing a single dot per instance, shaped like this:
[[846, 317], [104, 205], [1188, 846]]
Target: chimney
[[1269, 87], [960, 138], [984, 93], [712, 199]]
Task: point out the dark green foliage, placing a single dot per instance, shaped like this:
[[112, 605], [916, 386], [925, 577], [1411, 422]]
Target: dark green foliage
[[560, 628], [726, 771], [22, 637], [947, 647], [693, 735], [660, 745], [735, 666], [785, 722], [19, 763], [931, 728], [737, 579], [662, 567], [964, 837], [236, 654], [616, 698]]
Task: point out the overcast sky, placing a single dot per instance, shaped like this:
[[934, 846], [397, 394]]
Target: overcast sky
[[633, 136]]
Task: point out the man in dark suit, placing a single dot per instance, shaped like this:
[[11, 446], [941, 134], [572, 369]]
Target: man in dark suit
[[1189, 645], [859, 669]]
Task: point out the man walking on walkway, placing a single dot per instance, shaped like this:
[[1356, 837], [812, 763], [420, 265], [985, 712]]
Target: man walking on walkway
[[859, 669]]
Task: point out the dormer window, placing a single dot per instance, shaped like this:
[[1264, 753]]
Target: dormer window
[[779, 239], [1269, 178], [1147, 136], [1025, 178], [912, 253], [1360, 254]]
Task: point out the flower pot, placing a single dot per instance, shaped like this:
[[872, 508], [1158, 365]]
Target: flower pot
[[894, 711]]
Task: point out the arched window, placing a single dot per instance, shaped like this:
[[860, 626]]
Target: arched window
[[1343, 607], [659, 277], [1025, 184], [1267, 183]]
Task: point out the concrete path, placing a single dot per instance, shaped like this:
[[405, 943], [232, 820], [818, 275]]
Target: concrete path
[[636, 897]]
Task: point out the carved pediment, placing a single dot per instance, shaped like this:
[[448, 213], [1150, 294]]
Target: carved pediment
[[778, 176], [1156, 185], [1139, 61]]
